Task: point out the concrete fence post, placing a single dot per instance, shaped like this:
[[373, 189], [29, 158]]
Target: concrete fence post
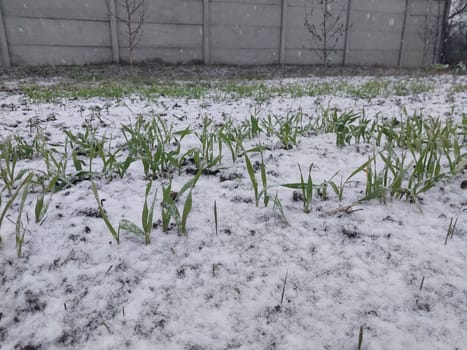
[[4, 41], [444, 30], [206, 33], [283, 42], [114, 31], [404, 25], [437, 43], [347, 28]]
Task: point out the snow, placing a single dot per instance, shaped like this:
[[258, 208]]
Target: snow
[[75, 288]]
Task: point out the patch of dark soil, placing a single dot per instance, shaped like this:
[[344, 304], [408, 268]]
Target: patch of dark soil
[[297, 196], [193, 347], [156, 71], [145, 330], [181, 272], [76, 238], [422, 306], [352, 234], [33, 303], [391, 219], [28, 347], [272, 313], [238, 199], [229, 177], [272, 173], [464, 184], [9, 106], [3, 334], [150, 320], [89, 212], [69, 338], [206, 171]]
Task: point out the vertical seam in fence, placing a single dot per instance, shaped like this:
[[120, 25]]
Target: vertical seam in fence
[[114, 31], [206, 33], [283, 39], [4, 41], [347, 26], [404, 24]]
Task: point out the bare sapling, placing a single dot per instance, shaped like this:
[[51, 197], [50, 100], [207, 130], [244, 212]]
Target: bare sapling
[[327, 32], [133, 18]]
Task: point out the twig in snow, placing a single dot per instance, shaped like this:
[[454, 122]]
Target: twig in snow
[[283, 287]]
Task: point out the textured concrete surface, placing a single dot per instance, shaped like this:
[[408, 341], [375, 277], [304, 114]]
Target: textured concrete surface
[[55, 32]]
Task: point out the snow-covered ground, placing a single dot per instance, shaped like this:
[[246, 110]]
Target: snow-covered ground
[[75, 288]]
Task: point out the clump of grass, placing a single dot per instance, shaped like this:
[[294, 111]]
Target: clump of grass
[[147, 218], [290, 129], [306, 188], [251, 173], [278, 206], [169, 209], [207, 157], [339, 188], [20, 229], [151, 142], [9, 174], [257, 90], [233, 137], [458, 88], [25, 183], [112, 90], [41, 206], [251, 127]]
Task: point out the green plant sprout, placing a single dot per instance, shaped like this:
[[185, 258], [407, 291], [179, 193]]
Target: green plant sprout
[[147, 218], [26, 181], [169, 209], [115, 234], [306, 188], [251, 173]]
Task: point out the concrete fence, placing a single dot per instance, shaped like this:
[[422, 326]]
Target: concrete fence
[[380, 32]]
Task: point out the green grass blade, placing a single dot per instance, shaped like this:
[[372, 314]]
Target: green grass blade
[[103, 214], [9, 203], [186, 211], [251, 174], [129, 226], [190, 184], [19, 235]]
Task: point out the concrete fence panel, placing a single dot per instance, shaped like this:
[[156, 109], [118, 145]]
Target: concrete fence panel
[[60, 9], [171, 11], [245, 32], [385, 6], [59, 55], [56, 32], [376, 32], [248, 14], [381, 32]]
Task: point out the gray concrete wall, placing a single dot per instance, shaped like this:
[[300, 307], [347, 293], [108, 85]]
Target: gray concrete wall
[[381, 32], [245, 32]]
